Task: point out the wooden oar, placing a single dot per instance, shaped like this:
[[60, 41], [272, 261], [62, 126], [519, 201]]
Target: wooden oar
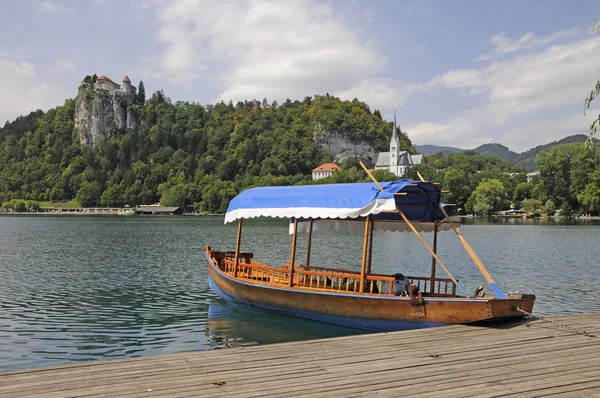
[[473, 255], [470, 251]]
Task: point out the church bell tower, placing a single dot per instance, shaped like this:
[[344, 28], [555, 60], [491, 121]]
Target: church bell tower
[[394, 148]]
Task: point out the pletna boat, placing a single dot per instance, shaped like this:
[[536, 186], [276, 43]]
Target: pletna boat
[[365, 299]]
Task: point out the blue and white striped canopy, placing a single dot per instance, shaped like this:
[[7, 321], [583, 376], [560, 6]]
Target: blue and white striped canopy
[[417, 200]]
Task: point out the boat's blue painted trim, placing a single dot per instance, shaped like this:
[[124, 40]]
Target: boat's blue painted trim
[[359, 323], [497, 290], [395, 298]]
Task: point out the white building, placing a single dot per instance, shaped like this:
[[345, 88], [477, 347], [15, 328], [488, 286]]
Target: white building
[[325, 170], [126, 90], [396, 161], [532, 175]]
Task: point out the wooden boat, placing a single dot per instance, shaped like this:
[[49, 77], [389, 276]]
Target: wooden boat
[[362, 299]]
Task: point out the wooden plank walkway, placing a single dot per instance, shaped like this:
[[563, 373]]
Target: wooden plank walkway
[[540, 359]]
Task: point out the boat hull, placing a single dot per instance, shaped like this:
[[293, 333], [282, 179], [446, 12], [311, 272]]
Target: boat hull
[[376, 313]]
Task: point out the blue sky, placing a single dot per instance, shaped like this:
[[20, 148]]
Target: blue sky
[[458, 73]]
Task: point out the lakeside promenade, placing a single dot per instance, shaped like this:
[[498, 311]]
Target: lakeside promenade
[[513, 359]]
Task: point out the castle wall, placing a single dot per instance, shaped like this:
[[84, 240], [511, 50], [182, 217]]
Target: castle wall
[[106, 85]]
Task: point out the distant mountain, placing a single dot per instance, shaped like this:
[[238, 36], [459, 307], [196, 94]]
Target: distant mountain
[[497, 150], [525, 159], [433, 149]]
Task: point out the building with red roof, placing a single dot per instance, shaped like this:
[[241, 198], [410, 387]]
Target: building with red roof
[[325, 170], [125, 90]]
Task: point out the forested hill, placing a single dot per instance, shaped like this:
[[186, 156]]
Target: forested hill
[[525, 159], [181, 153]]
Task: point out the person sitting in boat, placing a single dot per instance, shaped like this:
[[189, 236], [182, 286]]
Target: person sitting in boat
[[400, 285]]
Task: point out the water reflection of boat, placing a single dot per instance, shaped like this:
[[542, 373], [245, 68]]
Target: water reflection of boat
[[232, 325], [359, 299]]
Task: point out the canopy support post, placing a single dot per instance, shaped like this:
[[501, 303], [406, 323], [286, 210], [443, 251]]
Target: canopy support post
[[473, 256], [412, 227], [370, 246], [237, 249], [293, 256], [310, 230], [435, 235], [363, 266]]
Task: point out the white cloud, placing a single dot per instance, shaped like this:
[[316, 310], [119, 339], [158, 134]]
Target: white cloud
[[65, 65], [24, 90], [545, 130], [54, 7], [381, 94], [505, 45], [273, 49], [549, 80]]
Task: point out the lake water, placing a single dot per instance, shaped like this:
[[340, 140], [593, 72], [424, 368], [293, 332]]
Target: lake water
[[78, 288]]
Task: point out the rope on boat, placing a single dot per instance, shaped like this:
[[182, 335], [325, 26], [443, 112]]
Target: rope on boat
[[558, 324]]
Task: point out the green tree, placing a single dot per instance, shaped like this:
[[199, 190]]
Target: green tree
[[532, 206], [456, 182], [566, 210], [20, 206], [555, 174], [523, 191], [384, 175], [216, 196], [590, 196], [141, 94], [488, 197], [88, 194], [592, 96], [549, 207], [180, 195]]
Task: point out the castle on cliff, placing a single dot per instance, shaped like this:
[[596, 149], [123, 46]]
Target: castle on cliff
[[125, 90]]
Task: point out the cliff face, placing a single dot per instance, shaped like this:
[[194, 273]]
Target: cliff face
[[99, 114], [341, 148]]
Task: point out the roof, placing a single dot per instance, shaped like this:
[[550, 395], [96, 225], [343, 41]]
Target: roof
[[383, 158], [106, 78], [126, 79], [417, 159], [332, 166], [341, 201]]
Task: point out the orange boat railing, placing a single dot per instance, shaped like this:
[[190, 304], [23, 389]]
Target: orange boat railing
[[321, 278]]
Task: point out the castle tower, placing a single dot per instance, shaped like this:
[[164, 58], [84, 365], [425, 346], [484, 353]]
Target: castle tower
[[128, 89], [126, 85], [394, 149]]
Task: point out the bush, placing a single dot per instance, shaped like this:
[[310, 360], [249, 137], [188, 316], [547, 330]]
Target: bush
[[20, 206]]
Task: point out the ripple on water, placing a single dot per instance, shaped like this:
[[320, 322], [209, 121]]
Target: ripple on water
[[82, 288]]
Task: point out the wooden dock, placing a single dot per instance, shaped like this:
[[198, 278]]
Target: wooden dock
[[539, 359]]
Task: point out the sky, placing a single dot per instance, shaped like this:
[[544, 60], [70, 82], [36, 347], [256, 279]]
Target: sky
[[457, 72]]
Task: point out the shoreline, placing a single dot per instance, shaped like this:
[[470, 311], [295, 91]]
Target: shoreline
[[113, 212]]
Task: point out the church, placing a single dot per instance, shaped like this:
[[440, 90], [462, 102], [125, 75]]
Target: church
[[396, 161]]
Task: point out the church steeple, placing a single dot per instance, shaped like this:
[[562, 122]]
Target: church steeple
[[394, 134], [394, 144]]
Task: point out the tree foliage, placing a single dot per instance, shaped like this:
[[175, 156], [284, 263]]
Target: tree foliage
[[488, 197], [182, 153], [593, 95], [141, 93]]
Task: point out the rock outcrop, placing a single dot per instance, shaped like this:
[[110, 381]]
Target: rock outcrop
[[99, 114], [341, 148]]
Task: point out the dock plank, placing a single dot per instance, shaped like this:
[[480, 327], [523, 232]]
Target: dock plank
[[513, 359]]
